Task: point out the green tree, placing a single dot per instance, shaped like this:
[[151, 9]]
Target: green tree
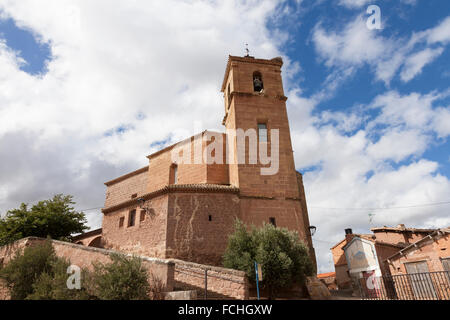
[[124, 278], [55, 218], [284, 258]]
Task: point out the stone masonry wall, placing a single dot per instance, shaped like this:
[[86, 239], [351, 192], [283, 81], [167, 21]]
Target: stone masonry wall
[[222, 283], [83, 257], [122, 188], [147, 236], [175, 274], [199, 224]]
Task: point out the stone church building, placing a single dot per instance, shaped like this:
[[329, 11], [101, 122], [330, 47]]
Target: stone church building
[[187, 210]]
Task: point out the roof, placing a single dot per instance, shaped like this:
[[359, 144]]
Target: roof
[[87, 234], [326, 275], [401, 228], [182, 141], [369, 237], [126, 176], [278, 61], [415, 245]]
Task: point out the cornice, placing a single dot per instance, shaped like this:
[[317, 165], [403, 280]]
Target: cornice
[[183, 188]]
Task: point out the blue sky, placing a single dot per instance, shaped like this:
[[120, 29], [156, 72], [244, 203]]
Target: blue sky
[[88, 93]]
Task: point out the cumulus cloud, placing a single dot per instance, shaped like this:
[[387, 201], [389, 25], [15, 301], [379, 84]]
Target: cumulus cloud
[[354, 46], [359, 160], [415, 62]]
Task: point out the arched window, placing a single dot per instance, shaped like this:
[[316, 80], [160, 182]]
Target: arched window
[[257, 82]]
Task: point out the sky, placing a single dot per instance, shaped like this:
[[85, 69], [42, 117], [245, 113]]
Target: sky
[[89, 88]]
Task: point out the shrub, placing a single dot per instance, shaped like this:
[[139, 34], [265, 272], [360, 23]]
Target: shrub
[[123, 279], [52, 285], [284, 258], [25, 268]]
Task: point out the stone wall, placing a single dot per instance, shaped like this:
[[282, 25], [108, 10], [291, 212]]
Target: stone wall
[[198, 225], [174, 274], [222, 283], [123, 188], [82, 256], [148, 235]]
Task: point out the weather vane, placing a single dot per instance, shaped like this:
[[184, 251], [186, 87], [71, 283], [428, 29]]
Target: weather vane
[[246, 50]]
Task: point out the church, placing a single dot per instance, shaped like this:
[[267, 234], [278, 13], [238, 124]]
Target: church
[[183, 206]]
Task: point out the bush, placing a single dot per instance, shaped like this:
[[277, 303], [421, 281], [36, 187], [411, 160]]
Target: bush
[[38, 274], [52, 285], [24, 269], [284, 258], [123, 279]]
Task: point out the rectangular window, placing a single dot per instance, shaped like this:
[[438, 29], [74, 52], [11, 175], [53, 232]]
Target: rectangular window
[[262, 132], [272, 221], [132, 218], [121, 221], [446, 264], [142, 218], [175, 174]]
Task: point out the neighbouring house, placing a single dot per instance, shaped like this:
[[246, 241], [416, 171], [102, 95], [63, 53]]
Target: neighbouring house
[[422, 269], [429, 254], [363, 256], [329, 279]]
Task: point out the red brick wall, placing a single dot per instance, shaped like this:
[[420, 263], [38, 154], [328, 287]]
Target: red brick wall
[[123, 190], [190, 234], [147, 237], [175, 274], [222, 283], [431, 251], [83, 257]]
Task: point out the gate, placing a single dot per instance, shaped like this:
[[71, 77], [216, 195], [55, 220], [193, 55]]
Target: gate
[[414, 286]]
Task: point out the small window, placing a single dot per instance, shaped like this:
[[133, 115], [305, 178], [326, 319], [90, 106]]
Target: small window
[[132, 218], [142, 217], [272, 221], [173, 179], [121, 221], [257, 82], [210, 218], [228, 96], [262, 132], [446, 264]]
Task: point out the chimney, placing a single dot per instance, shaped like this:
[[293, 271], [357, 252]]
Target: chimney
[[348, 234]]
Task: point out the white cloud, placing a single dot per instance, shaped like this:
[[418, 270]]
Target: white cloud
[[415, 62], [353, 168], [354, 3], [355, 46]]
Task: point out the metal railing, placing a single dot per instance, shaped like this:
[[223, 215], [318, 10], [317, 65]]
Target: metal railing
[[414, 286]]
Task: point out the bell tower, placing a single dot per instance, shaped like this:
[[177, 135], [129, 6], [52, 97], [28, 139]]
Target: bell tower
[[255, 102]]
